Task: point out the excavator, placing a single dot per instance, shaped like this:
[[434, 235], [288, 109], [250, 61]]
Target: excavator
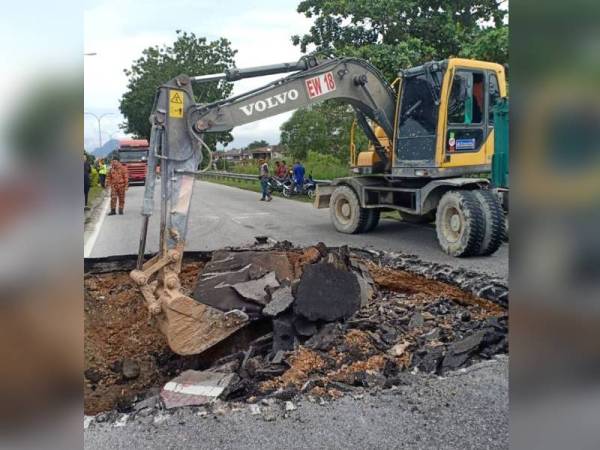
[[431, 137]]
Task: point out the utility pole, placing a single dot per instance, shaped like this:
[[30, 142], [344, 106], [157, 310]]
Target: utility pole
[[99, 118]]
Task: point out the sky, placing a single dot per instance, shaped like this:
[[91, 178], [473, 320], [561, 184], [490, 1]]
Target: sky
[[118, 30]]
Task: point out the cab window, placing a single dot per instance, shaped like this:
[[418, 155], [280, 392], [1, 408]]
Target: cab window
[[466, 104]]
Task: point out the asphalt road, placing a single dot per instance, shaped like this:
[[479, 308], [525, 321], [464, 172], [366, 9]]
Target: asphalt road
[[224, 216], [468, 410]]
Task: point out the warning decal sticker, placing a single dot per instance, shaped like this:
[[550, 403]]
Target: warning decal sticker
[[175, 104]]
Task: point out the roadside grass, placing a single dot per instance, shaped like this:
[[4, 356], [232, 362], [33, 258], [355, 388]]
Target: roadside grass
[[321, 167], [95, 192]]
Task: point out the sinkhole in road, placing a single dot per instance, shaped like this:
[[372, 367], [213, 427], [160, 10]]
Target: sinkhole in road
[[413, 324]]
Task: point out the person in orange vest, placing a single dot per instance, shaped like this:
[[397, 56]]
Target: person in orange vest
[[118, 181]]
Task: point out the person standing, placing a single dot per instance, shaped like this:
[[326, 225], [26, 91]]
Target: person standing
[[264, 181], [118, 181], [87, 170], [102, 173], [277, 168], [283, 170], [298, 176]]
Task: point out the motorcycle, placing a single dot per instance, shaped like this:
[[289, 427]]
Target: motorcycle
[[308, 188], [277, 184]]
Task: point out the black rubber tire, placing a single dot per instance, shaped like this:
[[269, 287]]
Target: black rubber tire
[[373, 219], [356, 218], [467, 239], [287, 191], [413, 218], [310, 193], [493, 216]]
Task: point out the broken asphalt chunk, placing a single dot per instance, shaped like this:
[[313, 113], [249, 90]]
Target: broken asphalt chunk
[[327, 293], [325, 338], [284, 333], [256, 290], [195, 387], [460, 352], [416, 321], [429, 362], [304, 327], [281, 300]]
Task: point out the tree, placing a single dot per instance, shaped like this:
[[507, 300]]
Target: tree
[[396, 34], [323, 128], [489, 44], [188, 54], [257, 144]]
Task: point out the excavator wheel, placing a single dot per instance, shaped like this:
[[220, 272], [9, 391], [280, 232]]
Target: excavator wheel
[[373, 219], [495, 225], [346, 213], [460, 223]]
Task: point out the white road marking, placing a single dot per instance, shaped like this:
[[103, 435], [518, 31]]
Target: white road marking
[[91, 241]]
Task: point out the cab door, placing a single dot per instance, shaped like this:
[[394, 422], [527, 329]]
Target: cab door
[[467, 135]]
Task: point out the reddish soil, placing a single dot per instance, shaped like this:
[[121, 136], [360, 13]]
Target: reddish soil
[[117, 327]]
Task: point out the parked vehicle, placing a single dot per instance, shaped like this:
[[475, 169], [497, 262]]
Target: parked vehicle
[[277, 184], [133, 153], [308, 188]]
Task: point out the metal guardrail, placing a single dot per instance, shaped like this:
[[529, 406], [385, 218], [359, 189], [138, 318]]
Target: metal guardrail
[[240, 176]]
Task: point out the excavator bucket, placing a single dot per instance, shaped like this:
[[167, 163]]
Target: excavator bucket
[[191, 327]]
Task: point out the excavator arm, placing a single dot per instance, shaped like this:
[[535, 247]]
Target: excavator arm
[[178, 128], [350, 80]]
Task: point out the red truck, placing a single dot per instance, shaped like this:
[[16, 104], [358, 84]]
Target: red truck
[[133, 153]]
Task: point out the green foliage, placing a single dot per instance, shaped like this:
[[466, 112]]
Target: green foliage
[[320, 166], [187, 55], [223, 164], [323, 128], [490, 44], [325, 167], [257, 144], [94, 177], [395, 34]]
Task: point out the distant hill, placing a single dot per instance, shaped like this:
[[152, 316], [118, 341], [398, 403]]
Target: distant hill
[[107, 147]]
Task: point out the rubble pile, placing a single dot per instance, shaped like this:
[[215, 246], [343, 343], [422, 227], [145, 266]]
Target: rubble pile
[[299, 290], [339, 321]]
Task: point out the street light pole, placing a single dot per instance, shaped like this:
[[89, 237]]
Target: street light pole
[[99, 118]]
